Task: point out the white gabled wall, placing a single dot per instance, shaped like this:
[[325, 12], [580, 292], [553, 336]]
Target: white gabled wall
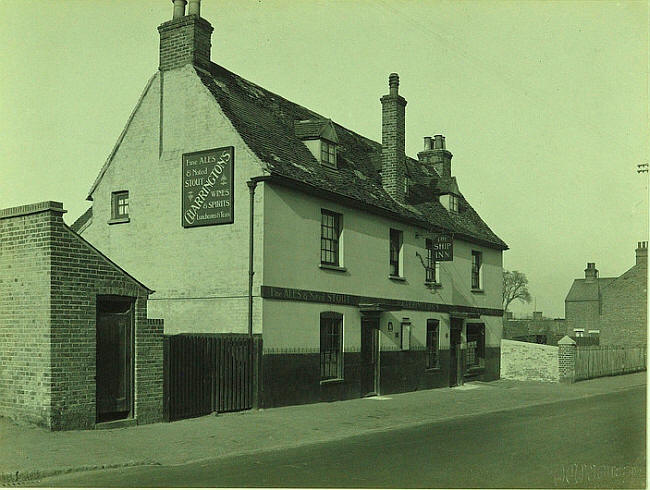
[[200, 275]]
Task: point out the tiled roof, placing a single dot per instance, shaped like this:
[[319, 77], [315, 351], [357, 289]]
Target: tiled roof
[[582, 290], [266, 122]]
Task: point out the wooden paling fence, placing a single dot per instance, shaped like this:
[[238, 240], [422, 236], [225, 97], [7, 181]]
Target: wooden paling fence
[[595, 361], [206, 373]]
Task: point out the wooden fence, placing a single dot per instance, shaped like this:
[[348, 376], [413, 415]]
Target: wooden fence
[[595, 361], [206, 373]]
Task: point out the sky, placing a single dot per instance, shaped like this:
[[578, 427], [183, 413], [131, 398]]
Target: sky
[[543, 104]]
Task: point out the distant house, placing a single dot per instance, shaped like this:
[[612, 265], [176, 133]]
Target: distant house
[[615, 309]]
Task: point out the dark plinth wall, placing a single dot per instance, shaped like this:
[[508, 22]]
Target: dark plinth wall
[[294, 379]]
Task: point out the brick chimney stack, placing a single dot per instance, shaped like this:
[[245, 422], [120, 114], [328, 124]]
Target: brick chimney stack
[[186, 38], [435, 153], [393, 110], [641, 252], [591, 273]]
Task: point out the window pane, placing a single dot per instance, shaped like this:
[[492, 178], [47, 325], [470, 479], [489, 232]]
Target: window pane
[[432, 343], [331, 354], [395, 245], [120, 204], [475, 351], [330, 231]]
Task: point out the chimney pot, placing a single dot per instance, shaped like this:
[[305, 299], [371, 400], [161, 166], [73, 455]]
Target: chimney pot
[[641, 252], [184, 40], [194, 8], [427, 143], [179, 8], [438, 142], [393, 83], [591, 273]]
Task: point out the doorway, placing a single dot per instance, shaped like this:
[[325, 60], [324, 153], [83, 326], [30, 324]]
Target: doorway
[[455, 364], [369, 356], [114, 358]]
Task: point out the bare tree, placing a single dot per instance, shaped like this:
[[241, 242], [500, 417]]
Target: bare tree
[[515, 286]]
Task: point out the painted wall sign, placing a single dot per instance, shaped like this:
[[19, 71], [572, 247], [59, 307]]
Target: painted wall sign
[[208, 187], [309, 296], [443, 248]]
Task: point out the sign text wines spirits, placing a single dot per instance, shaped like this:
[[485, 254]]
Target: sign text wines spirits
[[208, 188]]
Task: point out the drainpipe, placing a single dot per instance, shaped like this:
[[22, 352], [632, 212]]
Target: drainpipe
[[252, 184]]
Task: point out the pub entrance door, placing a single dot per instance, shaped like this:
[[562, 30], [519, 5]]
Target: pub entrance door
[[455, 354], [369, 356], [114, 358]]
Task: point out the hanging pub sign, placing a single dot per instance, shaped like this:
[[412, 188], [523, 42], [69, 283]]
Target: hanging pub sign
[[208, 189], [442, 247]]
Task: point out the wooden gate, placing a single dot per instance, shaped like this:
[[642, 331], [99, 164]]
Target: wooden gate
[[210, 373]]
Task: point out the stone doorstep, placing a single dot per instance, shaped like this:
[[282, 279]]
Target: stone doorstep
[[117, 424]]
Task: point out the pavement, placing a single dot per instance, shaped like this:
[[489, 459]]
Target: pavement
[[30, 453]]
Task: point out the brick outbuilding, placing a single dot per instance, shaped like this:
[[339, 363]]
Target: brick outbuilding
[[77, 348]]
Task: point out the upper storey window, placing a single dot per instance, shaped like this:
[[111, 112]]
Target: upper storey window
[[454, 204], [319, 135], [119, 207], [328, 153]]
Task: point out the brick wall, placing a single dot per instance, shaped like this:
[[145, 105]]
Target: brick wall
[[528, 362], [393, 133], [582, 314], [625, 308], [55, 277], [553, 329], [185, 40], [25, 255]]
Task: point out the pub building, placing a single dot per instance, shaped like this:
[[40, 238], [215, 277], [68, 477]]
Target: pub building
[[364, 271]]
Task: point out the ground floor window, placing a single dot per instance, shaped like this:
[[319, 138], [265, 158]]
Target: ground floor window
[[433, 332], [331, 345], [475, 352]]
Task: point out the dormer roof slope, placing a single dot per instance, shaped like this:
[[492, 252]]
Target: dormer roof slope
[[266, 122]]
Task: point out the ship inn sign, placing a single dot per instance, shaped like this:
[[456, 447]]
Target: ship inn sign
[[442, 247]]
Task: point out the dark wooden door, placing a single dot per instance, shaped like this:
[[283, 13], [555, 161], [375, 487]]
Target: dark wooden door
[[369, 356], [455, 367], [114, 359]]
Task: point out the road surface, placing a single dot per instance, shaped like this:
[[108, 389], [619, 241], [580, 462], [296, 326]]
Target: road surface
[[593, 442]]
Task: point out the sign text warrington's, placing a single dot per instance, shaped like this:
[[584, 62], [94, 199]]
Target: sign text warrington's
[[208, 189]]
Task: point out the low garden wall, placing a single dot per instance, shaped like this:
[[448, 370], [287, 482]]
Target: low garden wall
[[525, 361]]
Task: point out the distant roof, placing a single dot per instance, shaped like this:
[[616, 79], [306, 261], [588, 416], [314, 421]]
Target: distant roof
[[629, 274], [82, 220], [582, 290], [267, 123]]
